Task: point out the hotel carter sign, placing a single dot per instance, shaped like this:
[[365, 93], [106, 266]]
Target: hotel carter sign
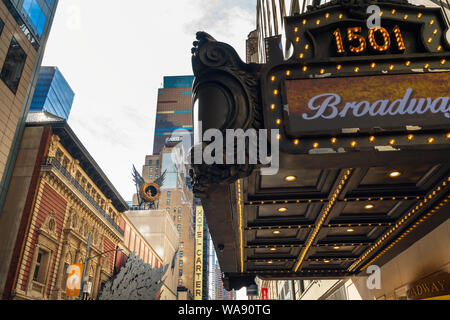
[[198, 274], [368, 102]]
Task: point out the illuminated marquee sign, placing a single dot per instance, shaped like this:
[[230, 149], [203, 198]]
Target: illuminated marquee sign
[[368, 102], [198, 274], [378, 40]]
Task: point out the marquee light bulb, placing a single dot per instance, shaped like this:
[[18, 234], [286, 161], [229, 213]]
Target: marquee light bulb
[[290, 178], [394, 174]]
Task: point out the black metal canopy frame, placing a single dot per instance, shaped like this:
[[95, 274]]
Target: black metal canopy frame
[[352, 190]]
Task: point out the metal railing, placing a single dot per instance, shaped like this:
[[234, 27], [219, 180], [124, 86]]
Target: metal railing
[[52, 162]]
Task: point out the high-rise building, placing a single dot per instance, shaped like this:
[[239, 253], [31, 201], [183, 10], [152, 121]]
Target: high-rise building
[[24, 29], [52, 93], [177, 201], [174, 112], [269, 24]]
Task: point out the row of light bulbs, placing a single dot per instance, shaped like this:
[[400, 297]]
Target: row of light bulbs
[[323, 216], [403, 220]]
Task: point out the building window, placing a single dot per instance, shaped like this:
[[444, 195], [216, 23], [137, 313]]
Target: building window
[[40, 269], [180, 273], [179, 227], [157, 162], [151, 169], [150, 162], [13, 66], [180, 282], [174, 218], [2, 24], [179, 210], [34, 12], [175, 210], [168, 201], [151, 176], [168, 194], [179, 217], [181, 263], [181, 254]]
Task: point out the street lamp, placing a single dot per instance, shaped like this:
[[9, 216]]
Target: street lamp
[[86, 260]]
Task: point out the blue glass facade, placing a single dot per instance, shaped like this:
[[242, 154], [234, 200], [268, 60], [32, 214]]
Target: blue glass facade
[[170, 180], [36, 13], [52, 93], [174, 112], [178, 82]]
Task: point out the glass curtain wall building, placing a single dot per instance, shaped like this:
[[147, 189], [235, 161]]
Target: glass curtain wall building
[[52, 93], [174, 112], [36, 13]]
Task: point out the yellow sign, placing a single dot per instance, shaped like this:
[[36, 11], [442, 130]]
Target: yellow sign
[[73, 284], [198, 274]]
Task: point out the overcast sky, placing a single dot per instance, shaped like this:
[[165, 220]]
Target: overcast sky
[[114, 54]]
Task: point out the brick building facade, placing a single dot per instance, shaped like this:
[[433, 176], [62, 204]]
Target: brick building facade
[[58, 196]]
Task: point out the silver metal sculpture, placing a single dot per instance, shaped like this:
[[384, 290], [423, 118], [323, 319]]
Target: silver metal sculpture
[[136, 280]]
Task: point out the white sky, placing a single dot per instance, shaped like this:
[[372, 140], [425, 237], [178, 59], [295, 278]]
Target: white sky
[[114, 54]]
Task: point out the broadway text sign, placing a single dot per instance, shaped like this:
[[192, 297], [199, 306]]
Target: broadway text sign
[[390, 102]]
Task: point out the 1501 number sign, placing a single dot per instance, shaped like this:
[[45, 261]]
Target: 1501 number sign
[[354, 36]]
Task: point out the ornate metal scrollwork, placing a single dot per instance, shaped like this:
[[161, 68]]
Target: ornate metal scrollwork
[[227, 92]]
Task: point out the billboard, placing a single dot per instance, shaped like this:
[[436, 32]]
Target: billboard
[[73, 284], [390, 102], [198, 256]]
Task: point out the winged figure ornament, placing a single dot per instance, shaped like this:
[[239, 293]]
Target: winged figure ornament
[[147, 192]]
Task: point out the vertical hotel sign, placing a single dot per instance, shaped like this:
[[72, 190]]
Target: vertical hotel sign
[[198, 275]]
